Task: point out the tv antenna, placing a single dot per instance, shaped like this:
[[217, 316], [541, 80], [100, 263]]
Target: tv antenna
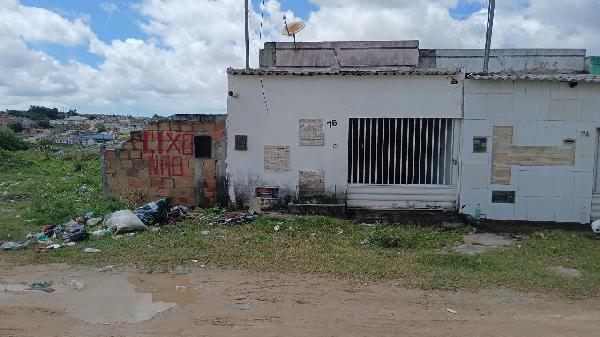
[[292, 29]]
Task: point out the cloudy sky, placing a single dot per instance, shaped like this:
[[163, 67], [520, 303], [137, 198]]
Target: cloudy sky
[[169, 56]]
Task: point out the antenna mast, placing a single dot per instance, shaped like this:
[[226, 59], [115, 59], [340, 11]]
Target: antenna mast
[[488, 35], [247, 35]]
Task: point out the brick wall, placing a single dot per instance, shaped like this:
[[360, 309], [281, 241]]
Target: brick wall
[[161, 162]]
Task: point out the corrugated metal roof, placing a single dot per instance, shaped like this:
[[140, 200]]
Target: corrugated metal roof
[[338, 72], [536, 77]]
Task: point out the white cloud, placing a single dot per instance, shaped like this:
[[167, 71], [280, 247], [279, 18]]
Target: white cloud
[[33, 24], [181, 66], [110, 7]]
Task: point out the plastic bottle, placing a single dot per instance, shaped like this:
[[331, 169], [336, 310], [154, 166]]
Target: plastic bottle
[[478, 212]]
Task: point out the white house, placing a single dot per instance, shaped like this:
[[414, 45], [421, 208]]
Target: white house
[[385, 125]]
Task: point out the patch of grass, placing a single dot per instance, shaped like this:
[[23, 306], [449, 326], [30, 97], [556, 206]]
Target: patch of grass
[[53, 189], [410, 255], [414, 237]]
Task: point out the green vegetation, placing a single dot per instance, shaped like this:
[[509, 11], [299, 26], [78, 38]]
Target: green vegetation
[[100, 127], [9, 141], [41, 113], [409, 255]]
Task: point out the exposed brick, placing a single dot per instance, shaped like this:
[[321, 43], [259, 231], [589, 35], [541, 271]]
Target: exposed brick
[[164, 126], [156, 182], [184, 182], [199, 127], [135, 154], [128, 146], [187, 127], [168, 182], [134, 182], [176, 126], [140, 164], [181, 201], [131, 172], [126, 163]]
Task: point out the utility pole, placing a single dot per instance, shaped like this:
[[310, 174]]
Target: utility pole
[[247, 36], [488, 35]]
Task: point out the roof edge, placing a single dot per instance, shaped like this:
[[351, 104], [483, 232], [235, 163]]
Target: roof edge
[[344, 72]]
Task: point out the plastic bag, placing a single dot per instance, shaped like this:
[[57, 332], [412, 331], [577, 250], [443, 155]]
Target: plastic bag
[[17, 245], [125, 221], [76, 233], [596, 226], [154, 212]]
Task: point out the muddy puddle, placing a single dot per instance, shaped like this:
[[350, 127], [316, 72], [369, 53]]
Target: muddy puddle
[[167, 288], [114, 299]]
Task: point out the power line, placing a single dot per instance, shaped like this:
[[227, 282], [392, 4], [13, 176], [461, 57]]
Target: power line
[[482, 28], [467, 14]]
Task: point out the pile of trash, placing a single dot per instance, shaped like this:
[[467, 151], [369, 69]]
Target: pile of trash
[[157, 213], [238, 219]]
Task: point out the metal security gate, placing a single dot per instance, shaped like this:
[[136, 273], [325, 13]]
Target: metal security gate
[[402, 163]]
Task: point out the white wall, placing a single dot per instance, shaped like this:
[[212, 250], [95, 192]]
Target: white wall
[[514, 60], [290, 98], [542, 114]]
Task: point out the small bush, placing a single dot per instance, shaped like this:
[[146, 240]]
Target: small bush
[[11, 142], [12, 160]]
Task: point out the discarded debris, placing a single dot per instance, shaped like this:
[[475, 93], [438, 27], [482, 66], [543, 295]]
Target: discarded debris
[[41, 285], [155, 212], [77, 285], [76, 233], [125, 221], [177, 213], [237, 220], [10, 245], [596, 226], [93, 221], [452, 311], [242, 306], [106, 269], [204, 232], [91, 250], [102, 232]]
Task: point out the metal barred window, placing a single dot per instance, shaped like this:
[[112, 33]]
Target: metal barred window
[[409, 151]]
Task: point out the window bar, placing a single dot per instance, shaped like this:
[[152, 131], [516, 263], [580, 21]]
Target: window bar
[[426, 150]]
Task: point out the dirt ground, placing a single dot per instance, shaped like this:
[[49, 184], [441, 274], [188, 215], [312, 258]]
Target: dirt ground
[[205, 302]]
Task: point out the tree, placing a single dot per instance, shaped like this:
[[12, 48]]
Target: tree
[[43, 124], [16, 127], [100, 127]]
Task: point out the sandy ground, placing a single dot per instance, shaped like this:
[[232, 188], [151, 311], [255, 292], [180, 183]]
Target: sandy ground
[[208, 302]]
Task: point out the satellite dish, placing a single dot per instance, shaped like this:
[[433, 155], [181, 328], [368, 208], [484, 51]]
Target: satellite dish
[[293, 28]]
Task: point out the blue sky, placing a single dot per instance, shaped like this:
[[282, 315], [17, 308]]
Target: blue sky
[[180, 66]]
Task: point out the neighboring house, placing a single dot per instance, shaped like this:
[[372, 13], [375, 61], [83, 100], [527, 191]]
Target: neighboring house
[[384, 125]]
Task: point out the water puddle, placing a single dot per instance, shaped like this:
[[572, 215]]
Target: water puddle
[[130, 299], [165, 288]]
